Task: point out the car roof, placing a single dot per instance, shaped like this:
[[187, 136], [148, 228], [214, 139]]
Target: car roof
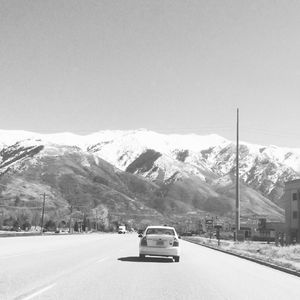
[[161, 227]]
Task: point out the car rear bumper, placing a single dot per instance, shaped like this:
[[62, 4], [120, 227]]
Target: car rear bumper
[[155, 251]]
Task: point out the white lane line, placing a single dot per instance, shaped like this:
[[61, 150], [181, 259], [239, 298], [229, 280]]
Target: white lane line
[[102, 259], [39, 292]]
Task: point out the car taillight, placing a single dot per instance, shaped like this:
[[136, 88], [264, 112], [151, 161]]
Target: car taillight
[[144, 241], [175, 243]]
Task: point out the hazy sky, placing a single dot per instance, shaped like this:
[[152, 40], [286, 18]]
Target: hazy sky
[[169, 66]]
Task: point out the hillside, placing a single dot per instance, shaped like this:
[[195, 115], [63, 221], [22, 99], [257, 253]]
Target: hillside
[[141, 176], [265, 169], [72, 180]]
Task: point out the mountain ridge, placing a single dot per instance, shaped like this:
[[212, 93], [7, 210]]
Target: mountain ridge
[[182, 173]]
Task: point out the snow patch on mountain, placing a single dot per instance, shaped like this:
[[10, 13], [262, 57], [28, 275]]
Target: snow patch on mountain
[[264, 168]]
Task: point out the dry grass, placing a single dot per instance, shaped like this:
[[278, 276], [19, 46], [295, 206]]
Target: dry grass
[[288, 256]]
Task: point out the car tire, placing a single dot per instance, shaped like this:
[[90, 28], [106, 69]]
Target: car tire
[[176, 258], [142, 256]]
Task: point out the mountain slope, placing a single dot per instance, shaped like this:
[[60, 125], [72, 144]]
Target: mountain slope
[[72, 179], [264, 169], [140, 169]]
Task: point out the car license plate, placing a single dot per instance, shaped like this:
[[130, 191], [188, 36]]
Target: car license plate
[[159, 243]]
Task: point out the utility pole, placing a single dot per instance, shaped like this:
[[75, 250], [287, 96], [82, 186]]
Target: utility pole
[[43, 211], [237, 206], [70, 221], [96, 219]]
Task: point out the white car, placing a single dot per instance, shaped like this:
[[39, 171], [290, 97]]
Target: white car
[[122, 229], [160, 241]]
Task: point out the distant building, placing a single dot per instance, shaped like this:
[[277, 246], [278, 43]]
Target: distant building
[[292, 210], [270, 230]]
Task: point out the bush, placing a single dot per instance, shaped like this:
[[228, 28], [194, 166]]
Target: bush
[[263, 239], [26, 226], [50, 226]]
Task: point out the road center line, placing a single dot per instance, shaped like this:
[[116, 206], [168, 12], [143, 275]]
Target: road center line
[[39, 292]]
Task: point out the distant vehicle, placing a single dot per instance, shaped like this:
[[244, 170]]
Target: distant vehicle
[[159, 241], [62, 231], [122, 229]]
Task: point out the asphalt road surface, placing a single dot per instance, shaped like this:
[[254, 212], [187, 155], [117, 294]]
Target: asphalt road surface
[[106, 266]]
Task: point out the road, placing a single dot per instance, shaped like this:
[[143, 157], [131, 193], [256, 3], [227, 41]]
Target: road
[[106, 266]]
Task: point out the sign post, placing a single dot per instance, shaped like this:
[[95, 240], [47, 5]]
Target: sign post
[[218, 227]]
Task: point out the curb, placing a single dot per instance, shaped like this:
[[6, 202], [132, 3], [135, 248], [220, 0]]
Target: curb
[[261, 262], [4, 235]]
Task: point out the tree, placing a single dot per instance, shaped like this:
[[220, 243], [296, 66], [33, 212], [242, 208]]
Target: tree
[[16, 226], [84, 223], [76, 216], [4, 214], [9, 221], [50, 225], [26, 226], [24, 217], [17, 201], [62, 224], [76, 226], [61, 216], [100, 216], [36, 217]]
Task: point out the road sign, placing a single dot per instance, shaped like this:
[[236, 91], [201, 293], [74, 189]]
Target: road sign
[[209, 224]]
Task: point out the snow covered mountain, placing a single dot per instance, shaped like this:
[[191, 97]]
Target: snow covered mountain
[[188, 172], [72, 179], [169, 157]]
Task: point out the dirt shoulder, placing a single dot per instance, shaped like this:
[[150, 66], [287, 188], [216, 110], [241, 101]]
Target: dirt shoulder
[[282, 258]]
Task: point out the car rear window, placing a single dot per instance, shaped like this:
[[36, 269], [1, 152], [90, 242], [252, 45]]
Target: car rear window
[[165, 231]]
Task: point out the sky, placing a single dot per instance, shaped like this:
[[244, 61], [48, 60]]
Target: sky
[[168, 66]]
